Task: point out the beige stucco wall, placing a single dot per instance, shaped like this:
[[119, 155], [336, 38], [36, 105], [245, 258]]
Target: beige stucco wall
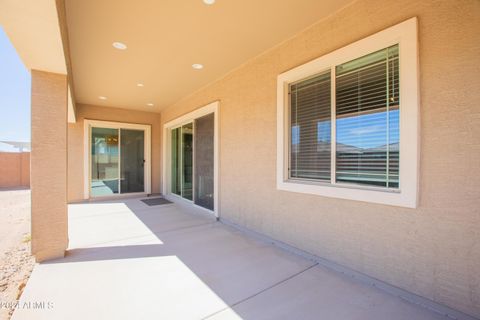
[[76, 139], [14, 169], [433, 251], [25, 169], [48, 175]]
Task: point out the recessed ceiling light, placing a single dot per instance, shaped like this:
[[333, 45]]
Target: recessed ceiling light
[[139, 84], [102, 98], [150, 104], [209, 2], [197, 66], [119, 45]]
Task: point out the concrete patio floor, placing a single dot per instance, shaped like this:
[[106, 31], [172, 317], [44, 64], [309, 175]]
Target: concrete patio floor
[[131, 261]]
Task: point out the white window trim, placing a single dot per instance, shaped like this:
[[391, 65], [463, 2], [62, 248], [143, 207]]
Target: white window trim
[[166, 155], [87, 126], [404, 34]]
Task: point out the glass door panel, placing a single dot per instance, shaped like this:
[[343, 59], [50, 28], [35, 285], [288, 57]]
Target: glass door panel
[[104, 165], [203, 161], [176, 182], [192, 161], [132, 144], [187, 161]]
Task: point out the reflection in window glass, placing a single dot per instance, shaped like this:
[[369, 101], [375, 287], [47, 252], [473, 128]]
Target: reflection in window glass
[[367, 120], [310, 120], [204, 161], [176, 162], [187, 161], [104, 166]]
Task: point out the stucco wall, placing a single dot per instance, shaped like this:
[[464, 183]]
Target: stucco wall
[[75, 142], [48, 170], [434, 250], [14, 169]]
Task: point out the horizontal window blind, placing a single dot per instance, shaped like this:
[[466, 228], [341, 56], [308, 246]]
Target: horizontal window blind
[[367, 119], [310, 124]]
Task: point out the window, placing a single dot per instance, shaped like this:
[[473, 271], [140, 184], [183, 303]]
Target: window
[[347, 124]]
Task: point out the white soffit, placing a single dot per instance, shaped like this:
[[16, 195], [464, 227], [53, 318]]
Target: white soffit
[[33, 28]]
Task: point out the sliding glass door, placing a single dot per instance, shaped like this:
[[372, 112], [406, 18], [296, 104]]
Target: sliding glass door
[[203, 161], [176, 179], [182, 161], [132, 161], [104, 162], [187, 164], [117, 161], [192, 161]]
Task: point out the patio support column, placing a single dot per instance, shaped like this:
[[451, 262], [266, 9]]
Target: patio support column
[[49, 165]]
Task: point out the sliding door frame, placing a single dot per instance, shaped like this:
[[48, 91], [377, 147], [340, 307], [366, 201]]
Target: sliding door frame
[[167, 156], [87, 156]]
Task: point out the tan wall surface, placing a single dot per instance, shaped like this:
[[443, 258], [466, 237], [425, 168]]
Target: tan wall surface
[[433, 251], [25, 176], [49, 165], [14, 169], [75, 142]]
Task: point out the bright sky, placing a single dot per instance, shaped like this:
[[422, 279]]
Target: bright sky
[[14, 95]]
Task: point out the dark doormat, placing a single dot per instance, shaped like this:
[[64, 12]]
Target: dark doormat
[[155, 201]]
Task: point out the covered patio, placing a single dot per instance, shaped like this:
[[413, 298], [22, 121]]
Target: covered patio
[[320, 157], [128, 260]]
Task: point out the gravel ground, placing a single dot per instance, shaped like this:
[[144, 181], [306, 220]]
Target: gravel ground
[[16, 263]]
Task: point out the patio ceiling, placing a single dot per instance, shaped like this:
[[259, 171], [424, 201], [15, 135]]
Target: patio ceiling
[[164, 39]]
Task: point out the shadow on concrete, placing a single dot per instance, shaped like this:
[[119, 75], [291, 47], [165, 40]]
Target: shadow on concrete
[[111, 253], [14, 188], [232, 265]]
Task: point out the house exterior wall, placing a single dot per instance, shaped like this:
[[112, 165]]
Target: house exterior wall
[[76, 140], [14, 169], [434, 250]]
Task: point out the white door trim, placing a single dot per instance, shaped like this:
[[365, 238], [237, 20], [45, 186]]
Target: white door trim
[[166, 154], [87, 125]]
